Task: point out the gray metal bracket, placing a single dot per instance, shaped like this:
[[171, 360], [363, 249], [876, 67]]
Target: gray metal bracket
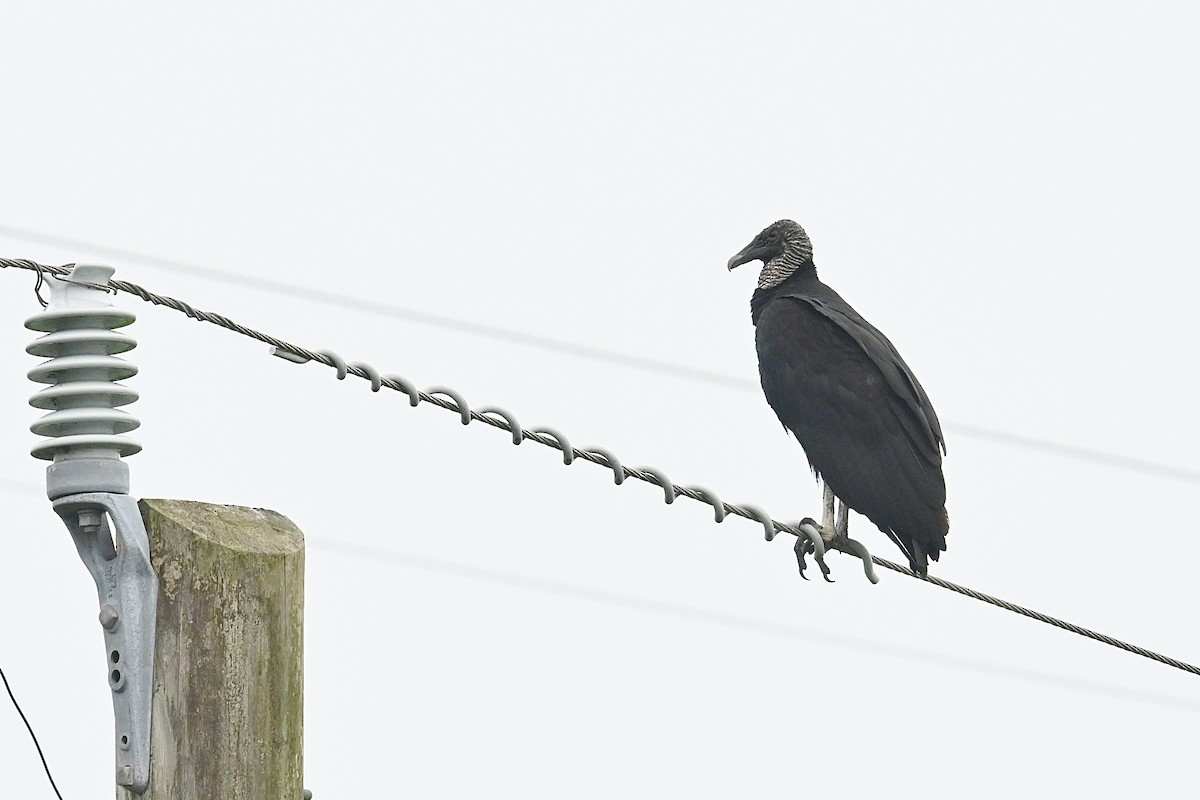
[[112, 541]]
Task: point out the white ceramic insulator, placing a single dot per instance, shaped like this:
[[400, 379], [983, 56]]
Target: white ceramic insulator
[[82, 371]]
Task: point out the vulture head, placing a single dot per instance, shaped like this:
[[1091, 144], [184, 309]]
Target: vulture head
[[783, 247]]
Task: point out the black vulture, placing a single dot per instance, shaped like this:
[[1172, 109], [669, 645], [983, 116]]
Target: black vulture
[[838, 384]]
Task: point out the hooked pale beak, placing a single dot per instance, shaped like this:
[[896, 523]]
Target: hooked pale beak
[[749, 253]]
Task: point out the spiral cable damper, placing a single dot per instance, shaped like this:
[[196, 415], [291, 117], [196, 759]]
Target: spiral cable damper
[[85, 425]]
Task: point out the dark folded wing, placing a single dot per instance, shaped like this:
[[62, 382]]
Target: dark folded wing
[[865, 423]]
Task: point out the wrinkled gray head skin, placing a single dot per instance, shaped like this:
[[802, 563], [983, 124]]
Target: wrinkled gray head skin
[[782, 246]]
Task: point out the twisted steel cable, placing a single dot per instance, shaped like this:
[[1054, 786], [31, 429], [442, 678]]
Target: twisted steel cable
[[450, 400]]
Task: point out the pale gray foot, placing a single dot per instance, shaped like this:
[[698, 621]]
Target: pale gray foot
[[824, 531], [842, 541], [805, 546], [834, 530]]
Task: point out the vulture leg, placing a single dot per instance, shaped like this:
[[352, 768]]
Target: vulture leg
[[842, 541], [827, 516]]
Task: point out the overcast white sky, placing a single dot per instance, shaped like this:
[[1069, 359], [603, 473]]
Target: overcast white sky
[[1008, 190]]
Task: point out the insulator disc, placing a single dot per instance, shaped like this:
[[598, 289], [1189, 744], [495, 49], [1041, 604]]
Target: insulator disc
[[84, 421], [83, 394], [80, 342], [88, 444], [82, 368], [68, 318]]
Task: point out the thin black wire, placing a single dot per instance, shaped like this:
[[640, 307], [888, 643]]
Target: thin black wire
[[630, 602], [750, 624], [1039, 616], [32, 735], [452, 401], [1005, 438]]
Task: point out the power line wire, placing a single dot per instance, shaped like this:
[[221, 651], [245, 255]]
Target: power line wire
[[750, 624], [745, 624], [451, 400], [32, 735], [387, 310], [551, 344], [1078, 453]]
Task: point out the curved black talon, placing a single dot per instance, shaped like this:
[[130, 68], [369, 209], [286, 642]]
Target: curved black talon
[[801, 547], [804, 546]]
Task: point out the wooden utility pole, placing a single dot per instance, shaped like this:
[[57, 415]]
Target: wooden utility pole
[[228, 707]]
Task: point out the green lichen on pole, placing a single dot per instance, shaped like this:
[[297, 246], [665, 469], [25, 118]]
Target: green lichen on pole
[[228, 666]]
